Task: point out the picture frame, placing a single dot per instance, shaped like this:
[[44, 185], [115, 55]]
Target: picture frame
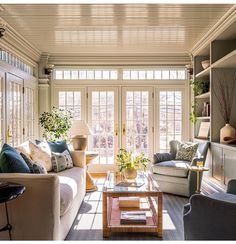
[[204, 130]]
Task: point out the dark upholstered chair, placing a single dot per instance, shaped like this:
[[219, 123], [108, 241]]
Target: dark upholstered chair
[[173, 176], [211, 217]]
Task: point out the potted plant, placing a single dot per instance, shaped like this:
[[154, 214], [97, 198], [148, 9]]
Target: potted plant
[[129, 163], [56, 124]]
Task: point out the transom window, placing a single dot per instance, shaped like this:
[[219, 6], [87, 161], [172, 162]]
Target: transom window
[[86, 75], [157, 74], [170, 115]]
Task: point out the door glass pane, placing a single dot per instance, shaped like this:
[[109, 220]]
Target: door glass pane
[[71, 100], [29, 113], [170, 115], [15, 127], [137, 116], [103, 126]]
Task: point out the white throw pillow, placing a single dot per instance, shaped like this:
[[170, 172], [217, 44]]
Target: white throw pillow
[[61, 161], [42, 154]]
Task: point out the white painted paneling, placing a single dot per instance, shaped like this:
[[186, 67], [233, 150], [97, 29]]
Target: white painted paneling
[[113, 28]]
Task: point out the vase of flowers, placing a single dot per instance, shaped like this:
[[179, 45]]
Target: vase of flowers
[[56, 124], [129, 163]]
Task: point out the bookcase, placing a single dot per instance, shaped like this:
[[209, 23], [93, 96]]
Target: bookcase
[[222, 55]]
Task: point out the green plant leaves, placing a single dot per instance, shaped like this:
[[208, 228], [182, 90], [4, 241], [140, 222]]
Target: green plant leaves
[[56, 123], [126, 160]]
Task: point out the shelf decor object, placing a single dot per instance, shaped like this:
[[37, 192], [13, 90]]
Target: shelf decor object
[[204, 130], [223, 90], [205, 64]]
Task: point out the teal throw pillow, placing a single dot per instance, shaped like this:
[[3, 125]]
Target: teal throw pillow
[[11, 161], [58, 146]]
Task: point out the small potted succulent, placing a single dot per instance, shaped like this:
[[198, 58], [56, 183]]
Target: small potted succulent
[[129, 163]]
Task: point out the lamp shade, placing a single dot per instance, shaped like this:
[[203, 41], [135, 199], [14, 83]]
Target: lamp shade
[[79, 128]]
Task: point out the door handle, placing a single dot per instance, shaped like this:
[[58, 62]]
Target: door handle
[[123, 129], [116, 131]]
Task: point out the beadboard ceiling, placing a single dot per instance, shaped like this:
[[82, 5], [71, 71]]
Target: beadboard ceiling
[[113, 28]]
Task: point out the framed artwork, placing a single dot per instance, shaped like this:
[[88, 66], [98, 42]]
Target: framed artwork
[[204, 130]]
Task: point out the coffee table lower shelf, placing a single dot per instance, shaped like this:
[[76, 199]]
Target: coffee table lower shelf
[[112, 214]]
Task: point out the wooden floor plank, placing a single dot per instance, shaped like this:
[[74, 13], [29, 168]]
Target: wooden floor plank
[[88, 223]]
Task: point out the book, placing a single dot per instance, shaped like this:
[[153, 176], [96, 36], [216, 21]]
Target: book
[[126, 202], [130, 184], [133, 217]]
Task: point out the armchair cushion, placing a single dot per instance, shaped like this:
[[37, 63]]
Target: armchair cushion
[[160, 157], [174, 168], [186, 151], [226, 197]]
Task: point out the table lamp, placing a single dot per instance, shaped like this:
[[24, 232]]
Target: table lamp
[[79, 132]]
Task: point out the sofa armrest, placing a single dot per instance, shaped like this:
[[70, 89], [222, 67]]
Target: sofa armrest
[[36, 214], [79, 158], [209, 219], [195, 160], [161, 157], [232, 187]]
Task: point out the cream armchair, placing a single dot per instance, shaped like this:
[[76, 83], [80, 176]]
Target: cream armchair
[[49, 204]]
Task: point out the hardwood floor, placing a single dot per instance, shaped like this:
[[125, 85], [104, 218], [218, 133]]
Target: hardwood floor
[[88, 223]]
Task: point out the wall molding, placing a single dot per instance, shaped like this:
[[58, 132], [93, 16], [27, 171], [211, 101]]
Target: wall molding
[[111, 60], [224, 22], [18, 45]]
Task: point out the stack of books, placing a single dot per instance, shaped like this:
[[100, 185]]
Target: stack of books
[[133, 217], [129, 202]]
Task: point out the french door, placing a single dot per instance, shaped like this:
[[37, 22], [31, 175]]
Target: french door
[[15, 111], [137, 120], [103, 120], [119, 119]]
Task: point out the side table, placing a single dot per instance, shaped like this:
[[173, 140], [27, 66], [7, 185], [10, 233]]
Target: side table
[[198, 170], [90, 156], [9, 191]]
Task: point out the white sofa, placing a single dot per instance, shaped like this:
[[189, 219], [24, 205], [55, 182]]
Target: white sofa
[[49, 205]]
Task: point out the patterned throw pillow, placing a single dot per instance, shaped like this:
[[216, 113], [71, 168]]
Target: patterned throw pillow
[[41, 153], [35, 167], [186, 151], [61, 161]]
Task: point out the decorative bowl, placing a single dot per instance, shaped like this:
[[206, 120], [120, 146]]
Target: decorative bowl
[[205, 63]]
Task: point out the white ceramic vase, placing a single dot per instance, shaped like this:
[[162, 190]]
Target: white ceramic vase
[[227, 132]]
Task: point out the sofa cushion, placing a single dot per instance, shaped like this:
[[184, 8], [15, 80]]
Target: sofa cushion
[[186, 151], [41, 153], [11, 161], [24, 148], [172, 168], [58, 146], [61, 161], [35, 167], [70, 182]]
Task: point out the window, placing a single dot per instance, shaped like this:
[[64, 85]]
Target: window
[[29, 113], [157, 74], [71, 100], [170, 117], [15, 61], [86, 75]]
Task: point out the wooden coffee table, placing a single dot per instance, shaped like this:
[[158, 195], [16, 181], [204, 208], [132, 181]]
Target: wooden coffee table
[[148, 192]]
